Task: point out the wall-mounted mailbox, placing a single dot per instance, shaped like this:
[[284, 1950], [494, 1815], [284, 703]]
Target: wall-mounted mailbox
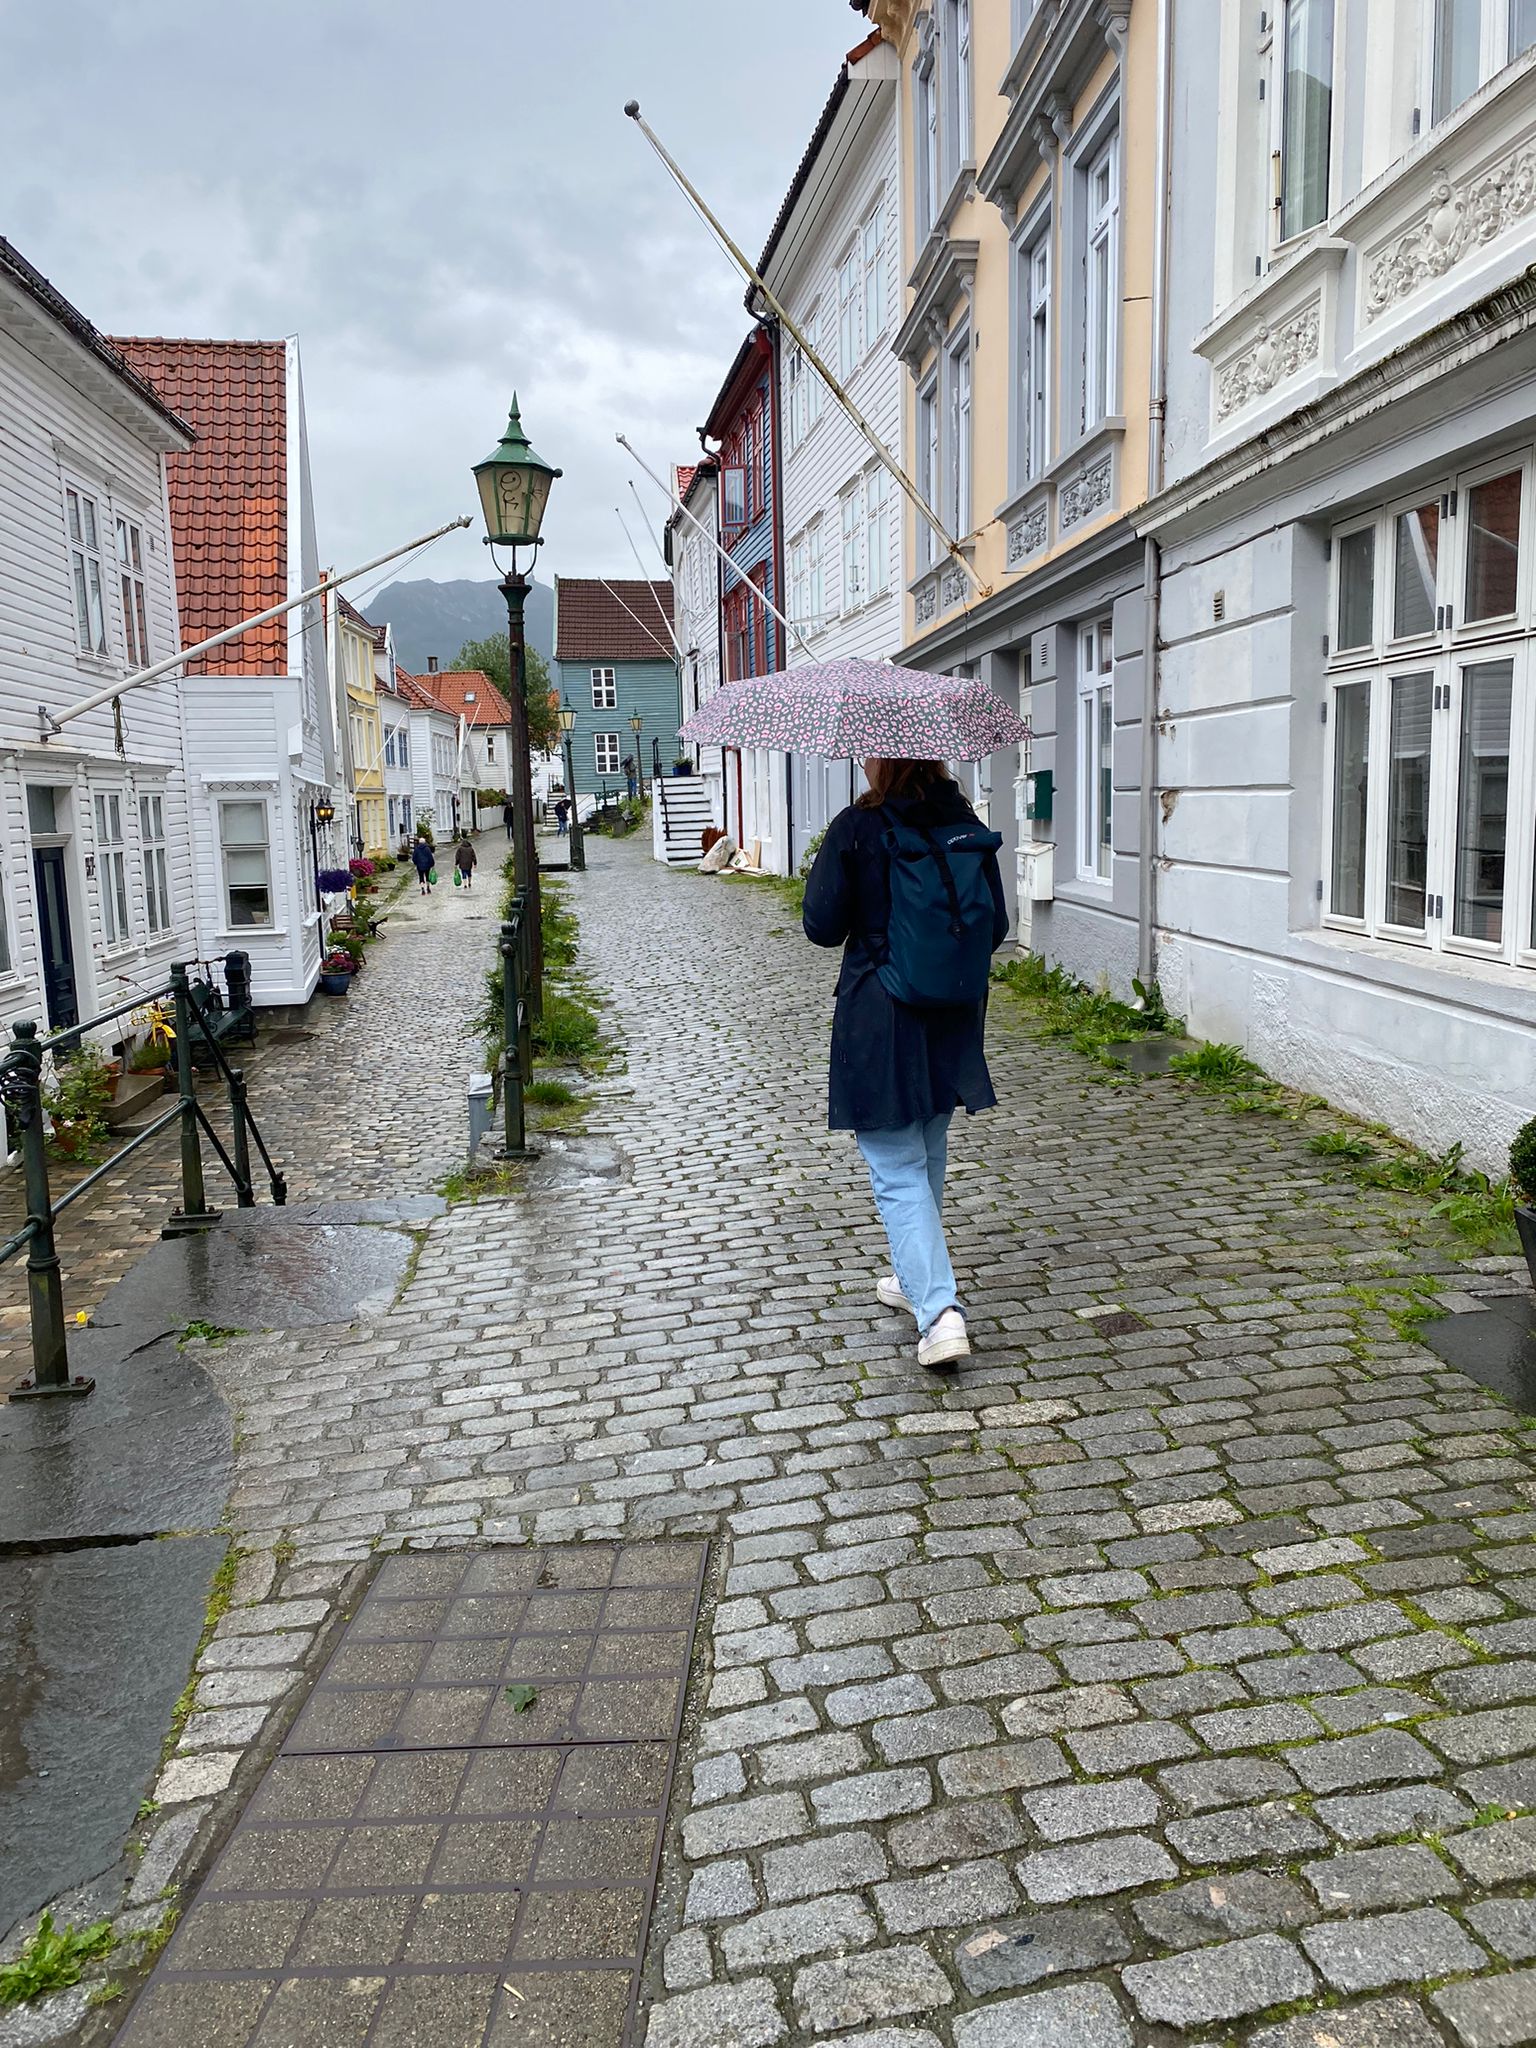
[[1039, 794]]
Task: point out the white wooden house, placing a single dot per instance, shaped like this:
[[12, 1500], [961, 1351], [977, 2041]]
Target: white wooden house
[[834, 261], [437, 790], [96, 868], [258, 733], [395, 721]]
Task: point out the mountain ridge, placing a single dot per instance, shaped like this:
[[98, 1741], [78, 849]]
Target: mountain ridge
[[431, 618]]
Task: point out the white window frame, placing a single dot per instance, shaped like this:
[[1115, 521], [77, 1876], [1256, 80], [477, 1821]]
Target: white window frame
[[1095, 750], [1101, 297], [849, 348], [7, 955], [605, 690], [1036, 383], [816, 581], [1444, 657], [157, 874], [87, 569], [877, 531], [1497, 46], [799, 584], [1273, 48], [606, 754], [132, 589], [956, 435], [955, 100], [402, 746], [796, 409], [263, 847], [928, 458], [872, 255], [850, 520], [925, 152], [112, 870]]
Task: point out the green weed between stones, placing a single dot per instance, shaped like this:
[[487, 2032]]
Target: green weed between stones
[[1090, 1020], [570, 1030], [199, 1332], [53, 1960], [219, 1595]]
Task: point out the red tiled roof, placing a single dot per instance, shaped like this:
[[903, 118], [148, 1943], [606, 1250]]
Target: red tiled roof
[[229, 495], [612, 619], [469, 694], [377, 634], [682, 478], [414, 690]]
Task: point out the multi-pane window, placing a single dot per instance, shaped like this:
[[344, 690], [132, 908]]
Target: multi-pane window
[[84, 524], [1103, 269], [112, 870], [1469, 40], [6, 964], [1034, 396], [957, 449], [605, 690], [605, 752], [848, 284], [799, 585], [927, 462], [1432, 720], [925, 156], [851, 522], [816, 587], [1095, 749], [877, 531], [130, 578], [955, 40], [244, 843], [872, 242], [1304, 106], [157, 880], [403, 746], [389, 746], [797, 377]]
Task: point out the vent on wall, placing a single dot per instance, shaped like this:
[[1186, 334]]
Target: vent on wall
[[1219, 606]]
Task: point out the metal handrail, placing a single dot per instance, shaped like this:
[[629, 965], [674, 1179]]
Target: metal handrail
[[21, 1096], [514, 1065]]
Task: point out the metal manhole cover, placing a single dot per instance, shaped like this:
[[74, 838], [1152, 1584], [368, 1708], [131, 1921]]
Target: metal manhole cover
[[460, 1840]]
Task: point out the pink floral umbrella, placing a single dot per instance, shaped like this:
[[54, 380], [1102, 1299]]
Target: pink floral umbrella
[[856, 710]]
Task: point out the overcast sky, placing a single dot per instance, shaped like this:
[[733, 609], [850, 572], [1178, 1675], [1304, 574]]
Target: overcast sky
[[442, 201]]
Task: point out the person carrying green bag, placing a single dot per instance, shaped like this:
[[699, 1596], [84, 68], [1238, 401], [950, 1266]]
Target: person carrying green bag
[[464, 864]]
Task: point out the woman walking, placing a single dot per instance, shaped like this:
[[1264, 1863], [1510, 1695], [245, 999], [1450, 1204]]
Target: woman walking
[[907, 883], [464, 861], [423, 860]]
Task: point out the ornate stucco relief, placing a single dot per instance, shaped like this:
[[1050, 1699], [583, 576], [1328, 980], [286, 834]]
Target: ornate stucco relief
[[1027, 534], [927, 605], [1087, 491], [1277, 353], [1459, 216]]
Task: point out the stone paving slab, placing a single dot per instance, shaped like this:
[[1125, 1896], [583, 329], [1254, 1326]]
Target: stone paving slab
[[454, 1879], [94, 1647]]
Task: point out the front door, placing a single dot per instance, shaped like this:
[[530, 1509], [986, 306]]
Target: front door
[[58, 951]]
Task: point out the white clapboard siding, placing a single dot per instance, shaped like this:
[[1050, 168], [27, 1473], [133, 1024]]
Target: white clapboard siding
[[53, 432]]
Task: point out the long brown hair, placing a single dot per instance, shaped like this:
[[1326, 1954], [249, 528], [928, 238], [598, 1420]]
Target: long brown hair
[[889, 779]]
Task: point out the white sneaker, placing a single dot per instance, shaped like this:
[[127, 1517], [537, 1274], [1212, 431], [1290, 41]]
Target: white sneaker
[[888, 1293], [944, 1340]]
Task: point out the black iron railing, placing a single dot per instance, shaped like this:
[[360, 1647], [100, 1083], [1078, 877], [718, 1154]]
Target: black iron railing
[[197, 1030], [514, 1064]]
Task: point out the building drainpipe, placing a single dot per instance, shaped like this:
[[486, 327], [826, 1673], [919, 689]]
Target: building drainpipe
[[1157, 410]]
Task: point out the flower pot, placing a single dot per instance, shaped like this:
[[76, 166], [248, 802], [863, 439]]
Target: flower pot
[[335, 984], [131, 1094], [682, 768], [1525, 1223]]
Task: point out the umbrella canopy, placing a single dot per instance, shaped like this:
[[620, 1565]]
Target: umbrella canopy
[[855, 710]]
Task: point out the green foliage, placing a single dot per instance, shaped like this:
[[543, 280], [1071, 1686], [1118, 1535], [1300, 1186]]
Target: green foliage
[[1215, 1066], [1088, 1019], [520, 1697], [78, 1099], [549, 1094], [1522, 1163], [53, 1960], [568, 1031], [208, 1333], [1485, 1214], [493, 657], [1340, 1145], [1154, 1011]]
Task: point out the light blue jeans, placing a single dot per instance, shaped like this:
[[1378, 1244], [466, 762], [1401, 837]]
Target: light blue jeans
[[906, 1171]]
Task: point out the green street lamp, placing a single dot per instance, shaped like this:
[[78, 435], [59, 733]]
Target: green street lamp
[[514, 485], [635, 723], [567, 717]]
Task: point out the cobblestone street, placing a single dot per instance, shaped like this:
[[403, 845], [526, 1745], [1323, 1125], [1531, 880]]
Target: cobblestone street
[[1166, 1675]]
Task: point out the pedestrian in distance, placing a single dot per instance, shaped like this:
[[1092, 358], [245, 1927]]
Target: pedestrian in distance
[[562, 816], [506, 816], [631, 782], [423, 860], [907, 883], [464, 861]]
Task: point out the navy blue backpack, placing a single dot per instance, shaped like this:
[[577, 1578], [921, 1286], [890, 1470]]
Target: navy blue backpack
[[939, 950]]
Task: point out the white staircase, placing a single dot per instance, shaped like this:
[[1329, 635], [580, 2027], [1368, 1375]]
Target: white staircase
[[682, 810]]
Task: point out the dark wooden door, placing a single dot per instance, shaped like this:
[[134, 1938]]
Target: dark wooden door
[[53, 925]]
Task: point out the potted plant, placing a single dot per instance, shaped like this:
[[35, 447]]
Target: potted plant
[[77, 1101], [334, 881], [1522, 1174], [683, 765], [336, 971]]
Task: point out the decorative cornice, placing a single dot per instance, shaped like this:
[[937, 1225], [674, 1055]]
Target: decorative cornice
[[1058, 53], [1461, 214], [949, 277], [1271, 359]]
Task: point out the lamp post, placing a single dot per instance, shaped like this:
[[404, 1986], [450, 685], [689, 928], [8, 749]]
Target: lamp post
[[567, 717], [321, 812], [514, 485], [635, 723]]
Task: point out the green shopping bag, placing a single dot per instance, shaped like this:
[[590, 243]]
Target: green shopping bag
[[458, 878], [431, 878]]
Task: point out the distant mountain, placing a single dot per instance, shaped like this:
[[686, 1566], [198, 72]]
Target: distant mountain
[[437, 618]]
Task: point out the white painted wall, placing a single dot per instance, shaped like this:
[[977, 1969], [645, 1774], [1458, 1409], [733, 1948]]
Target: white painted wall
[[56, 429]]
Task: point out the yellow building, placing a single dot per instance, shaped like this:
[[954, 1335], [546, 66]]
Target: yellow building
[[358, 643], [1032, 240]]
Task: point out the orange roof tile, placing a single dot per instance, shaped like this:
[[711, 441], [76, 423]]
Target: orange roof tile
[[229, 495], [469, 694]]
